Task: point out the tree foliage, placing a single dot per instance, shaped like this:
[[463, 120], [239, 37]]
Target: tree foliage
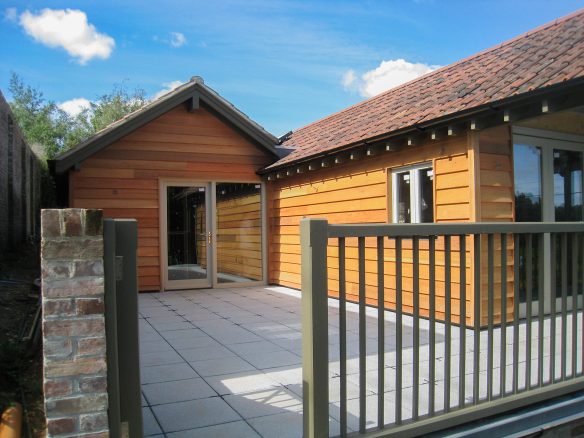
[[44, 123]]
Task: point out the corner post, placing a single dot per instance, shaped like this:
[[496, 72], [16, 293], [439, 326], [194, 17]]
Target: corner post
[[315, 363]]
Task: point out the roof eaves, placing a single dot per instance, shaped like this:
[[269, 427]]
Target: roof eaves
[[483, 110]]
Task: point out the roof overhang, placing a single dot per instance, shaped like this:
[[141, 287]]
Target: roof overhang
[[559, 97], [192, 93]]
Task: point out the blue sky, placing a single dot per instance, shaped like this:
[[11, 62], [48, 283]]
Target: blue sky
[[284, 63]]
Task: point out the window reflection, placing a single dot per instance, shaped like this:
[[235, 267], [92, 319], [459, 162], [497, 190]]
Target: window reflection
[[239, 232], [567, 185], [527, 168]]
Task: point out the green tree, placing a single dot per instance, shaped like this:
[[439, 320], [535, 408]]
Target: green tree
[[104, 111], [50, 131], [42, 122]]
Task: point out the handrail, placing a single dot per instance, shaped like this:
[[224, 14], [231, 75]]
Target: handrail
[[451, 228], [486, 272]]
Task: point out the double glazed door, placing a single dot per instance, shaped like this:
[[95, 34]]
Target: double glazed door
[[188, 236], [548, 173], [211, 234]]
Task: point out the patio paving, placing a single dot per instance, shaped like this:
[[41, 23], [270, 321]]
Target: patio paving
[[227, 362]]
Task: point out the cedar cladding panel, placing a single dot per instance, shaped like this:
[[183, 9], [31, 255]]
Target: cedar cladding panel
[[359, 193], [497, 204], [123, 178]]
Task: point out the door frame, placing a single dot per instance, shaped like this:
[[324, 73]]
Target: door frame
[[211, 198], [163, 237]]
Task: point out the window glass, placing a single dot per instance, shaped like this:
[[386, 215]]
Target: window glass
[[413, 195], [527, 168], [567, 185], [426, 177], [403, 198]]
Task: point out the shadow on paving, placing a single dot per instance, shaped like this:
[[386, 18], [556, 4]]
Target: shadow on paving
[[227, 362]]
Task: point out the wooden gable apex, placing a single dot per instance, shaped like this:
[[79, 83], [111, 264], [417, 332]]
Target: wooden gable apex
[[194, 93]]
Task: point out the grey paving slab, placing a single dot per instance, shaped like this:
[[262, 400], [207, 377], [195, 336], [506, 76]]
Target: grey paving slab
[[272, 359], [167, 373], [239, 383], [252, 348], [239, 429], [154, 346], [177, 391], [193, 414], [149, 423], [159, 358], [206, 353], [188, 342], [216, 367], [265, 402], [183, 333]]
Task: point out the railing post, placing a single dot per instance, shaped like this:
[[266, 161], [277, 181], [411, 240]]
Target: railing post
[[315, 364]]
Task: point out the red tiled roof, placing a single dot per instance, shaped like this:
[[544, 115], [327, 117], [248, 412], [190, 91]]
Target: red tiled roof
[[545, 56]]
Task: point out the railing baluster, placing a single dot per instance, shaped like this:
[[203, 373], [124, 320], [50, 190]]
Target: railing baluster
[[432, 336], [343, 335], [398, 331], [362, 337], [380, 333], [529, 306], [462, 341], [416, 340], [574, 243], [553, 308], [490, 311], [503, 354], [564, 261], [516, 261], [477, 319], [540, 309], [447, 322]]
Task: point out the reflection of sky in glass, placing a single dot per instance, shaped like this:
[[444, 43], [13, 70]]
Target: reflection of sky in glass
[[527, 168], [574, 174]]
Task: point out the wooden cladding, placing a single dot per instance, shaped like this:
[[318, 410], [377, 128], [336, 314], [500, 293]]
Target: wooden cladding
[[360, 193], [123, 178]]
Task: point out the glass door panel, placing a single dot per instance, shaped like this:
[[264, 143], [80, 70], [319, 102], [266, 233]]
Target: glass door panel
[[239, 232], [187, 237]]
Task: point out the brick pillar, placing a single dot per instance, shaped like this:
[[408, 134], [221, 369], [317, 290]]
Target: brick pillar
[[74, 344]]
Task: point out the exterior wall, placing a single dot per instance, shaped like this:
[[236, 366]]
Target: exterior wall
[[74, 345], [496, 204], [360, 193], [19, 184], [123, 179]]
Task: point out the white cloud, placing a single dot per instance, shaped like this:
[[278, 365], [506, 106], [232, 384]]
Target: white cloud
[[74, 106], [69, 29], [177, 39], [168, 87], [10, 14], [388, 75]]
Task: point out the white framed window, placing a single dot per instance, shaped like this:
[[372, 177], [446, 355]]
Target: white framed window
[[413, 194]]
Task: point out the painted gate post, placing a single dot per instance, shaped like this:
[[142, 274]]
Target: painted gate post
[[315, 383]]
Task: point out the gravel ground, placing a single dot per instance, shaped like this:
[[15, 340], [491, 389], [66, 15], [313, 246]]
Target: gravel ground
[[20, 365]]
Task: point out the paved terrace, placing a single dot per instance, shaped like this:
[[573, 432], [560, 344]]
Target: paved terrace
[[227, 362]]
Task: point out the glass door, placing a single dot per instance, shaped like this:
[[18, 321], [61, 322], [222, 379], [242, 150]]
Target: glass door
[[187, 256], [548, 175], [238, 208]]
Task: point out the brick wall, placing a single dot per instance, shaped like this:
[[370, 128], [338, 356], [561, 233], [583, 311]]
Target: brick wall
[[19, 183], [74, 344]]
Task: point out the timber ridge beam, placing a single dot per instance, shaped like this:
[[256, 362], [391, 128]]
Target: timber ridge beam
[[488, 118]]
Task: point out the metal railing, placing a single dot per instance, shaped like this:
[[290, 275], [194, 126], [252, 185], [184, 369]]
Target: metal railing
[[488, 318]]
